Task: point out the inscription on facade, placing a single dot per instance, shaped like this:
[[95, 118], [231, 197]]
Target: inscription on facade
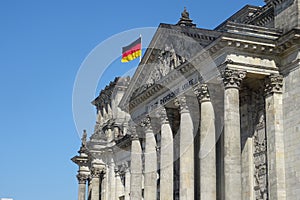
[[172, 93]]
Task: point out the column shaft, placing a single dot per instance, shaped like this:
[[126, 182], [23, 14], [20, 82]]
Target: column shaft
[[150, 173], [95, 183], [95, 188], [127, 184], [112, 181], [232, 145], [104, 187], [81, 191], [186, 190], [136, 169], [207, 152], [232, 134], [119, 189], [166, 159], [82, 178]]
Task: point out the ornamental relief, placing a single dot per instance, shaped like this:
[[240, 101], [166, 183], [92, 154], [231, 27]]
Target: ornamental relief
[[260, 159], [167, 60]]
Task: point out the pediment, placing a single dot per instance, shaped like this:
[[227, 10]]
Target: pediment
[[171, 48]]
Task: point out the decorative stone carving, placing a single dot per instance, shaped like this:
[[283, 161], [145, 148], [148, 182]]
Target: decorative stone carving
[[274, 84], [83, 148], [202, 92], [181, 102], [163, 115], [82, 178], [185, 19], [146, 123], [233, 78], [95, 172], [132, 131], [168, 60], [260, 159]]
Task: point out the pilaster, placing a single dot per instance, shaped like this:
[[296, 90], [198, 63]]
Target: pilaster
[[95, 183], [104, 186], [275, 137]]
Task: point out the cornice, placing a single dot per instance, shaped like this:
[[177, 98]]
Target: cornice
[[285, 42]]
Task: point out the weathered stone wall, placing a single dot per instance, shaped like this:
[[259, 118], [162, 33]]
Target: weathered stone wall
[[287, 15], [291, 117]]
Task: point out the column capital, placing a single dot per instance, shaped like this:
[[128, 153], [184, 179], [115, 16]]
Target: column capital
[[117, 171], [82, 178], [273, 84], [233, 78], [96, 172], [132, 130], [202, 93], [146, 123], [181, 102], [162, 113]]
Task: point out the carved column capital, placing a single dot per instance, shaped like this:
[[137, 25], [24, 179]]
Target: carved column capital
[[233, 78], [146, 123], [82, 178], [202, 93], [95, 172], [132, 131], [162, 113], [181, 102], [273, 84]]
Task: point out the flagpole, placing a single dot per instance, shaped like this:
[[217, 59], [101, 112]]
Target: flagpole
[[141, 48]]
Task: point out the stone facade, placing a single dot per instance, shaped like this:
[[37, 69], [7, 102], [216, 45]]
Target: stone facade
[[209, 114]]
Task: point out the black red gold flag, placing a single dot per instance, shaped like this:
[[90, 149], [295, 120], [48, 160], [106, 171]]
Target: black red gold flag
[[132, 51]]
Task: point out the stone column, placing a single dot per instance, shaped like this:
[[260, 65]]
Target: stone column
[[232, 136], [127, 184], [95, 183], [112, 182], [136, 166], [275, 137], [116, 131], [104, 186], [150, 171], [207, 154], [110, 134], [82, 178], [166, 157], [118, 183], [186, 190]]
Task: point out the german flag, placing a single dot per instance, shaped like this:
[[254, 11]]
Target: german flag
[[132, 51]]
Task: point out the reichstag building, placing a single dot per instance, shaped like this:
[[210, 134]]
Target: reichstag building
[[208, 114]]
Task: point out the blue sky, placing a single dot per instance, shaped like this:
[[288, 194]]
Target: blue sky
[[42, 46]]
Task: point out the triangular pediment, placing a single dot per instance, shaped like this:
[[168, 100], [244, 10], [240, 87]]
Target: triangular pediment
[[171, 47]]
